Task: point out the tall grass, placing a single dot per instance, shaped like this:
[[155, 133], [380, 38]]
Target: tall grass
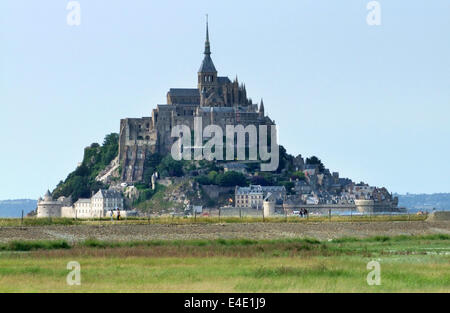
[[393, 238], [94, 243], [22, 245], [304, 273], [286, 271]]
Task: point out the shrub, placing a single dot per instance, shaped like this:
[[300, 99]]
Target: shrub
[[298, 175], [170, 167], [231, 178], [203, 180], [19, 245]]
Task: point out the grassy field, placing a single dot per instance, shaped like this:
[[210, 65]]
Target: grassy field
[[13, 222], [408, 264]]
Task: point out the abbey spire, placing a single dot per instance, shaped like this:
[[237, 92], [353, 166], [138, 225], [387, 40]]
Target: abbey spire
[[207, 64], [207, 74], [207, 44]]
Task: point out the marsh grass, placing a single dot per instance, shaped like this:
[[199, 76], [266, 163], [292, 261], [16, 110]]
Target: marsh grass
[[223, 274], [216, 246], [229, 265], [20, 245], [393, 238], [320, 270]]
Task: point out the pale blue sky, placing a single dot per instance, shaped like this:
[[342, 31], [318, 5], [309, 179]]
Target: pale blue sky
[[373, 102]]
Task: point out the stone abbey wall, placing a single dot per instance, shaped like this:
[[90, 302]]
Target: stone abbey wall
[[217, 100]]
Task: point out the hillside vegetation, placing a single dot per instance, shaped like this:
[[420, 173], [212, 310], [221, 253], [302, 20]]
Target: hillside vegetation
[[81, 182]]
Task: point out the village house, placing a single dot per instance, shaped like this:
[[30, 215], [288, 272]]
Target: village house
[[98, 205], [253, 196], [235, 167]]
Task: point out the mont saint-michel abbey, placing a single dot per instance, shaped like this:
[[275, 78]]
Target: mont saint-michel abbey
[[217, 100]]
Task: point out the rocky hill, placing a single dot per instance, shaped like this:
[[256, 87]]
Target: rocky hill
[[168, 185]]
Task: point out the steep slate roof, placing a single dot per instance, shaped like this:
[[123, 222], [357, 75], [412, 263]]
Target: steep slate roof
[[259, 189], [253, 189], [48, 196], [269, 197], [217, 109], [83, 200], [207, 65], [223, 80], [103, 193], [274, 188], [184, 92]]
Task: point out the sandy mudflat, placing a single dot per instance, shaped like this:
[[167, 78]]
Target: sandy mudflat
[[124, 232]]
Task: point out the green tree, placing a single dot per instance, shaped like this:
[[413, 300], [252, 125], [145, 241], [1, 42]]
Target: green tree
[[285, 160], [298, 175], [81, 183], [315, 161], [231, 178], [150, 164], [212, 176], [203, 180], [260, 180], [169, 167], [289, 186]]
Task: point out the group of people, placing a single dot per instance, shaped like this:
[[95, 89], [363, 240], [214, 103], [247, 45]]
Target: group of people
[[303, 213], [117, 214]]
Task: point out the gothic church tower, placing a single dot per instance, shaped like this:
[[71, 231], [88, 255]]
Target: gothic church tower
[[207, 74]]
